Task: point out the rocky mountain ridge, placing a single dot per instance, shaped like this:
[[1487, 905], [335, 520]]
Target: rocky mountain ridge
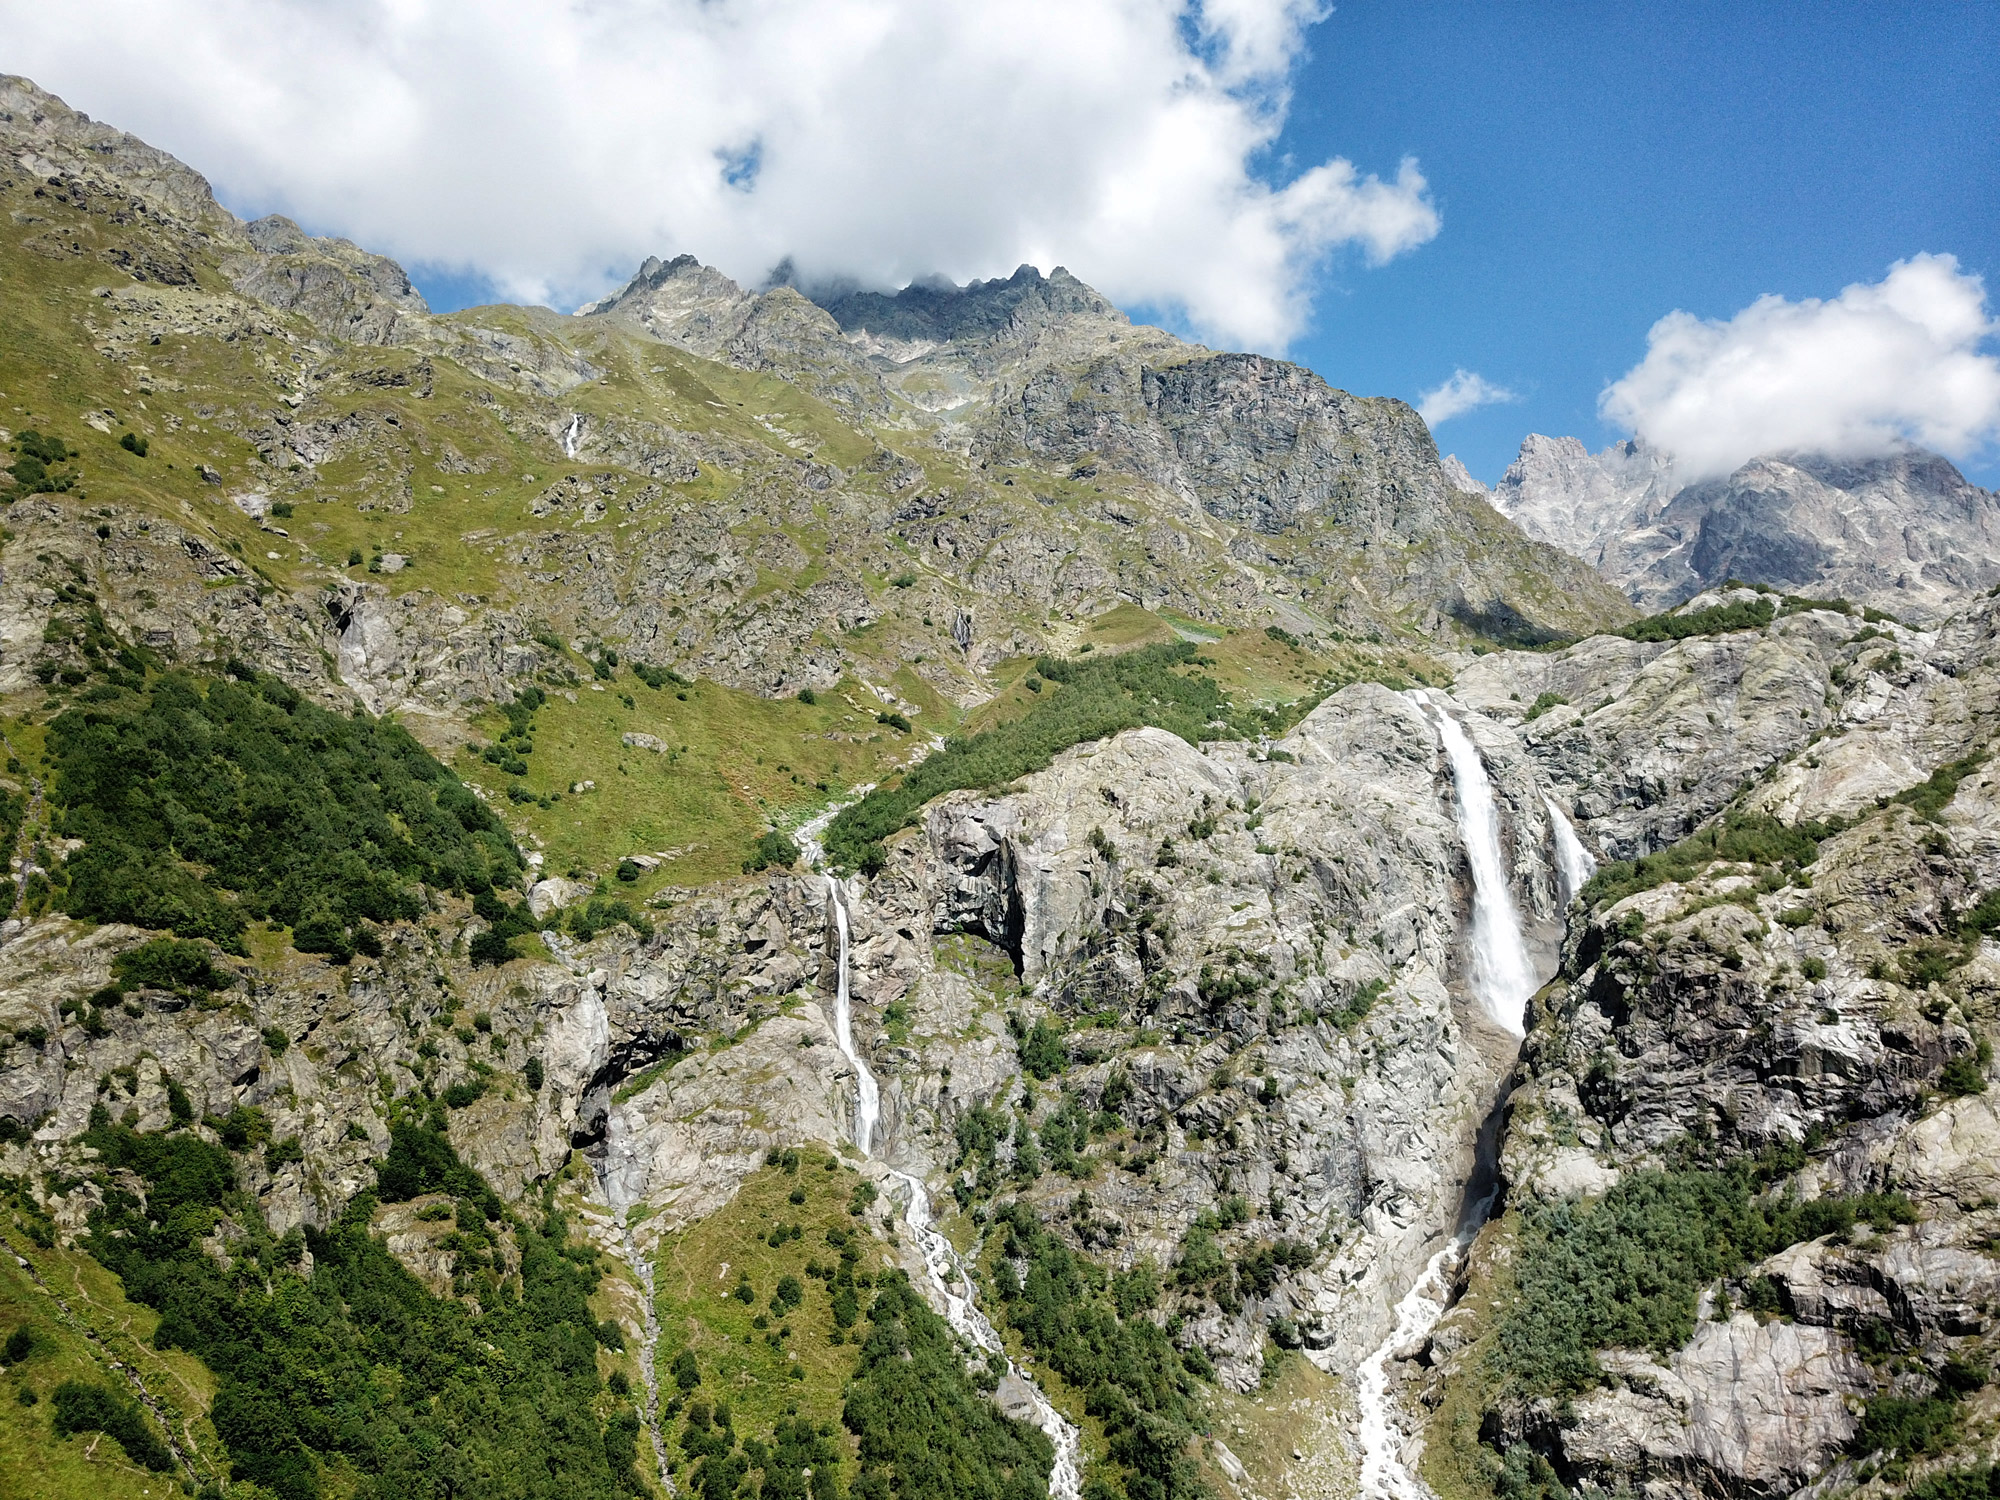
[[1903, 532], [1207, 1009]]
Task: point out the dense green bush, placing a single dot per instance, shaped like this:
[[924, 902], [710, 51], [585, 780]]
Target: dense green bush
[[32, 468], [357, 1366], [82, 1406], [170, 964], [1132, 1378], [1750, 838], [1744, 614], [773, 850], [1627, 1270], [1097, 698], [205, 803], [925, 1431]]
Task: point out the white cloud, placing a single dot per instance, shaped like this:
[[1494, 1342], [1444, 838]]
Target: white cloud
[[1882, 364], [553, 143], [1459, 395]]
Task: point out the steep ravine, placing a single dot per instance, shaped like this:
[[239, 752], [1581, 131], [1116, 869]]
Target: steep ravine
[[1501, 982], [951, 1283]]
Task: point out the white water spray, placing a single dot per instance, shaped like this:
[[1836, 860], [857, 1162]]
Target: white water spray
[[947, 1272], [1502, 980], [1502, 977], [572, 436], [1574, 861]]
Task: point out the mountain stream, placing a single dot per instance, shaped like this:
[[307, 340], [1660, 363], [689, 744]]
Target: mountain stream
[[1503, 978], [948, 1274]]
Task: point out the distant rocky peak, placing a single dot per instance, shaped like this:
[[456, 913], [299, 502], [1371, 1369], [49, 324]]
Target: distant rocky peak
[[934, 310], [1902, 531], [1460, 478]]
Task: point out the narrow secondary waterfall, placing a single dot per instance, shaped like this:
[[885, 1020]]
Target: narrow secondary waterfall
[[1502, 977], [572, 435], [1502, 981], [947, 1272], [1574, 861], [867, 1093]]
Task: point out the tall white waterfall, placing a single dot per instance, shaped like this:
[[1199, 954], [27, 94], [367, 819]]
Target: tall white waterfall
[[1502, 981], [1502, 977], [572, 435], [867, 1093], [1574, 861], [948, 1274]]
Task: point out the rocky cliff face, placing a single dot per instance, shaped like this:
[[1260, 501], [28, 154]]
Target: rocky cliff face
[[1904, 533], [1205, 1006]]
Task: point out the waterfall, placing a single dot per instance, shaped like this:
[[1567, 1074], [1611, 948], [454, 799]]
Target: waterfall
[[1572, 859], [941, 1259], [1502, 977], [572, 436], [1502, 981], [867, 1093]]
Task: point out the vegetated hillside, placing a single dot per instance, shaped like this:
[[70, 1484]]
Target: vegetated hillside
[[415, 1027]]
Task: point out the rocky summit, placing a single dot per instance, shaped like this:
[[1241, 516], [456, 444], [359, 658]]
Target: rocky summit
[[818, 891], [1903, 532]]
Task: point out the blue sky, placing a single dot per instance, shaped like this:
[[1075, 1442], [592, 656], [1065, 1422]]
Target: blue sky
[[1597, 166]]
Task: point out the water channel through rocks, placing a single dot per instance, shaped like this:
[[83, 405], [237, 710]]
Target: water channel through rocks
[[948, 1275], [1503, 977]]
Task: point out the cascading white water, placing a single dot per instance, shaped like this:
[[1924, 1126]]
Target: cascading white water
[[1502, 981], [1502, 977], [867, 1093], [572, 435], [1574, 861], [941, 1261]]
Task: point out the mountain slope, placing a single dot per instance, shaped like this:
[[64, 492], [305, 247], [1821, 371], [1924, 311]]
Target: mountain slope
[[1904, 532]]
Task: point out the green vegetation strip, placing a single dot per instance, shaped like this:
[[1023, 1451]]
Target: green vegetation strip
[[354, 1379], [1093, 1330], [1092, 700], [1626, 1271]]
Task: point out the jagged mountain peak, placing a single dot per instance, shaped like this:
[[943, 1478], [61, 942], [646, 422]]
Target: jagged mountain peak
[[1902, 531]]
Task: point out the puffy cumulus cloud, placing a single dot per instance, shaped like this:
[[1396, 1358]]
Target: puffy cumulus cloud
[[551, 144], [1462, 393], [1884, 363]]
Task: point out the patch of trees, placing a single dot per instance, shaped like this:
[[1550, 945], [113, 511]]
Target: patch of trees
[[1626, 1270], [1093, 1331], [925, 1429], [353, 1378], [204, 804]]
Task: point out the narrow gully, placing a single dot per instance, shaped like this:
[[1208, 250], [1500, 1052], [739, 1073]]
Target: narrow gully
[[946, 1271]]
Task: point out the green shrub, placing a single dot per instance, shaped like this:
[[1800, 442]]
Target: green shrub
[[591, 917], [1750, 838], [1719, 619], [894, 720], [1543, 703], [1965, 1073], [355, 1379], [82, 1406], [1132, 1378], [170, 964], [532, 1071], [1041, 1048], [1626, 1270], [1929, 797], [133, 443], [203, 804], [923, 1429], [773, 850]]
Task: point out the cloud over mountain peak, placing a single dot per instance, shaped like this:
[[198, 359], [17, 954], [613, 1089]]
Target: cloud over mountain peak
[[551, 146]]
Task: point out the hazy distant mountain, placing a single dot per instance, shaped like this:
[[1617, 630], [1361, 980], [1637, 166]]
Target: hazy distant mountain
[[1906, 532]]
